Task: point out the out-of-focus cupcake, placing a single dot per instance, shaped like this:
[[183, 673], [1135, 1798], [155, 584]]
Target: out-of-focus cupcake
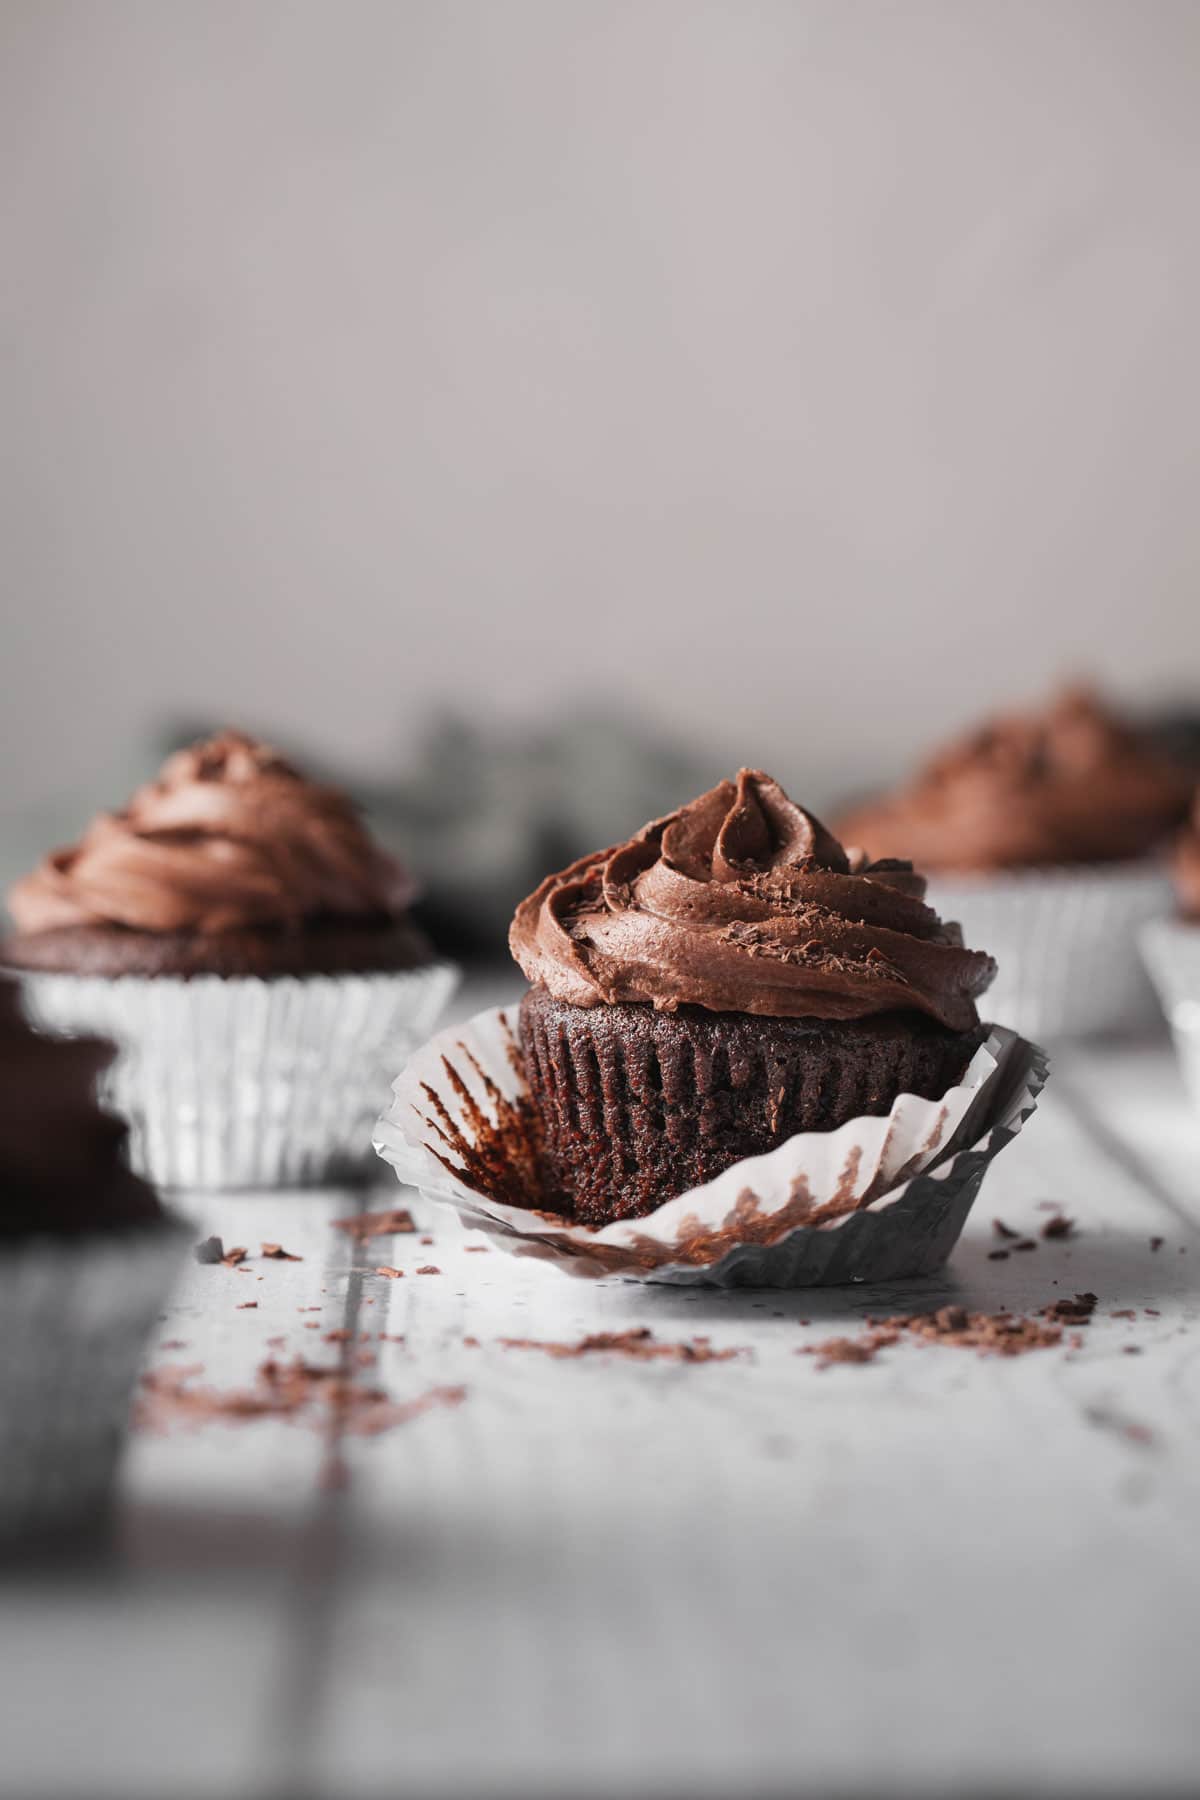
[[238, 933], [723, 981], [1043, 834], [1171, 948], [86, 1256]]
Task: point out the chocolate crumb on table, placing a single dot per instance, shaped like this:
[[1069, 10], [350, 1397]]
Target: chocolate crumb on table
[[362, 1226], [997, 1255], [1058, 1227], [639, 1344], [429, 1269], [990, 1334], [1002, 1230], [1156, 1243], [392, 1274], [296, 1390], [278, 1254]]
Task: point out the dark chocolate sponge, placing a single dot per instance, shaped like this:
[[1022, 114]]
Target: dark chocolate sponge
[[325, 947], [637, 1106]]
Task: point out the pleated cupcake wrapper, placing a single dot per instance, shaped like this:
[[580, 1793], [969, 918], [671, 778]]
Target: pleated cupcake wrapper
[[75, 1315], [1171, 949], [878, 1199], [237, 1082], [1065, 941]]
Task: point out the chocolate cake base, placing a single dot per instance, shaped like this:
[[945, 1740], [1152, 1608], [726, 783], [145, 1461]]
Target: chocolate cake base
[[638, 1106], [325, 947]]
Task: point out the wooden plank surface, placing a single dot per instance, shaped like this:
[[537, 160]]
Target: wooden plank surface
[[593, 1575]]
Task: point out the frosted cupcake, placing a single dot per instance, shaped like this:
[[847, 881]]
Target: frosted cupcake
[[746, 1056], [86, 1256], [1043, 833], [1171, 948], [240, 935]]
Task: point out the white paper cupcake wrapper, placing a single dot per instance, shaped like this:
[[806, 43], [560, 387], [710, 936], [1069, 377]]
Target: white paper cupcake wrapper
[[1171, 949], [1065, 941], [862, 1203], [75, 1314], [237, 1082]]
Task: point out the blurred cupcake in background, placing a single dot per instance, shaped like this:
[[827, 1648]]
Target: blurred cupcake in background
[[86, 1258], [1043, 834], [239, 934], [1171, 948]]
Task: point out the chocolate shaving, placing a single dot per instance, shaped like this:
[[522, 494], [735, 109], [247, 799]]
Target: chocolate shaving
[[997, 1255], [1026, 1244], [278, 1254], [1002, 1230], [475, 1249], [1156, 1243], [296, 1390], [1058, 1227], [429, 1269], [233, 1257], [990, 1334], [639, 1344], [362, 1226], [246, 1306], [392, 1274]]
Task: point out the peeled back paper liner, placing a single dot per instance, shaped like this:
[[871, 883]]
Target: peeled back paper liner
[[879, 1199], [75, 1314], [240, 1082], [1065, 942]]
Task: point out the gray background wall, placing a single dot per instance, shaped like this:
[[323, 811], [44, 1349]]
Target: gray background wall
[[807, 374]]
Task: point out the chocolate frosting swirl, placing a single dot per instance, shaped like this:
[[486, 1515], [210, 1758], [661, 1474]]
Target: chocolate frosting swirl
[[227, 836], [1070, 784], [62, 1163], [743, 902], [1186, 864]]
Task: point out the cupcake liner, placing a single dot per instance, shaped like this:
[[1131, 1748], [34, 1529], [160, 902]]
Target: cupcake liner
[[862, 1203], [239, 1082], [1065, 941], [1171, 950], [75, 1313]]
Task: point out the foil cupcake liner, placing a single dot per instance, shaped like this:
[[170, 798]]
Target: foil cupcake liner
[[75, 1314], [1171, 951], [239, 1082], [1065, 941], [879, 1199]]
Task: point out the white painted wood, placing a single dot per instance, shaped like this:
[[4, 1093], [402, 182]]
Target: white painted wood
[[599, 1576]]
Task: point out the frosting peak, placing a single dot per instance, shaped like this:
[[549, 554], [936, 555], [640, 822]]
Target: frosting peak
[[1071, 783], [228, 835], [742, 901]]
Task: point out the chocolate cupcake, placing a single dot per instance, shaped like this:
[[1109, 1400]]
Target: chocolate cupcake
[[239, 934], [86, 1254], [728, 978], [1043, 832]]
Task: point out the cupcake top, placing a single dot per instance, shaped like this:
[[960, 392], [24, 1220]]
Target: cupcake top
[[1186, 864], [228, 836], [62, 1162], [1070, 784], [743, 902]]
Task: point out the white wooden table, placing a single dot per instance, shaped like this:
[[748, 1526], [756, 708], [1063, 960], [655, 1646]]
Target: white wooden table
[[934, 1574]]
